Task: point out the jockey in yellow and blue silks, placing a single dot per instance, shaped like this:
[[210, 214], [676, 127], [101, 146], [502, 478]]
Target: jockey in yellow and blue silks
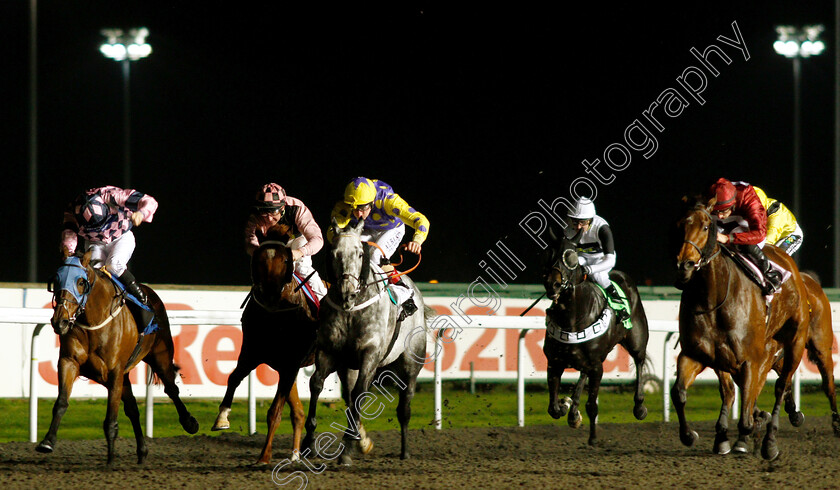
[[385, 215]]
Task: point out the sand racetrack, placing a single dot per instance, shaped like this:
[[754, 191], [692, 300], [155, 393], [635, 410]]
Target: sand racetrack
[[629, 456]]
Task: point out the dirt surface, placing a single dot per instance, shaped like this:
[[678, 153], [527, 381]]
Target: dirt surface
[[628, 456]]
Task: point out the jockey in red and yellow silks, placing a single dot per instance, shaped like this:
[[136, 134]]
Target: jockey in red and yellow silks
[[742, 221], [782, 228]]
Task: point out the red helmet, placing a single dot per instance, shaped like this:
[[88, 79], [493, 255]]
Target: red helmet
[[271, 196], [724, 192]]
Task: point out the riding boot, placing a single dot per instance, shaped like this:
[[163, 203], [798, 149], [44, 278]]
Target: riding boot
[[774, 279], [623, 314], [131, 286]]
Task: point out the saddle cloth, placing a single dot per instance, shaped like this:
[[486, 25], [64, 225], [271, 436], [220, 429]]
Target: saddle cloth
[[152, 326], [756, 272], [310, 295]]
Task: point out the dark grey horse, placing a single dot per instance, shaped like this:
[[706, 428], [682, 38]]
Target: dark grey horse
[[359, 337]]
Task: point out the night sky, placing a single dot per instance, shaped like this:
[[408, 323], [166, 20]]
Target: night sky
[[472, 114]]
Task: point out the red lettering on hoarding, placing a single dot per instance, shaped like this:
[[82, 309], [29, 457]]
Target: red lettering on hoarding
[[621, 362], [472, 354], [189, 371], [532, 348], [211, 354], [267, 376]]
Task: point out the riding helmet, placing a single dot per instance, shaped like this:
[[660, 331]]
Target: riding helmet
[[724, 192], [92, 212], [584, 209], [359, 191], [271, 196]]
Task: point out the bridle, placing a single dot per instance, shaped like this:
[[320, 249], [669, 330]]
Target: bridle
[[566, 262], [707, 254], [275, 244], [67, 277]]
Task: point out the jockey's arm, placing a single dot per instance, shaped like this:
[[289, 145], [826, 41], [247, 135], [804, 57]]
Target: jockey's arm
[[142, 206], [780, 223], [305, 222], [756, 217], [69, 235], [607, 261], [396, 206]]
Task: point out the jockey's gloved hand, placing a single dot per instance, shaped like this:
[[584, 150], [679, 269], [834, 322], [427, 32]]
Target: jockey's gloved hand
[[586, 269]]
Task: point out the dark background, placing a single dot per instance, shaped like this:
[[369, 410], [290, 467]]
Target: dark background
[[471, 113]]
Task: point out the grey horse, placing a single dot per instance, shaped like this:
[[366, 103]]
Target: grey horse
[[360, 339]]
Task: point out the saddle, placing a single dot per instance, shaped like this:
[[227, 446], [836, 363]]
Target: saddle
[[751, 270], [144, 316]]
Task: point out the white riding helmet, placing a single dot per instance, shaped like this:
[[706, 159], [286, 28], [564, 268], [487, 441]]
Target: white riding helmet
[[584, 209]]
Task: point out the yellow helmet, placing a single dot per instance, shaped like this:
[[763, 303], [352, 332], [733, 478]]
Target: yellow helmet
[[359, 191]]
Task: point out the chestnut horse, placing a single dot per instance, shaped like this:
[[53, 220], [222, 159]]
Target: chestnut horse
[[278, 329], [97, 336], [726, 324], [583, 330], [819, 345]]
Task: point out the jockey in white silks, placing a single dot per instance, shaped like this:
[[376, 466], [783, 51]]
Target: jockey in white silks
[[593, 240], [385, 215], [273, 206]]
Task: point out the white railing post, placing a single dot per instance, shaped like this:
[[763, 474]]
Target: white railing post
[[252, 403], [520, 379], [150, 402], [666, 402], [33, 386], [438, 382]]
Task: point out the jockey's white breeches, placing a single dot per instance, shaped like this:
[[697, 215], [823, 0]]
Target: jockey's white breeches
[[114, 256], [303, 266], [388, 241]]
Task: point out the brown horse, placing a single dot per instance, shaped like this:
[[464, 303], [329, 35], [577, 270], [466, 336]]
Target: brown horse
[[97, 336], [278, 329], [726, 324], [819, 345]]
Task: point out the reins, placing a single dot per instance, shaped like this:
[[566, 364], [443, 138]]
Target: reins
[[707, 259]]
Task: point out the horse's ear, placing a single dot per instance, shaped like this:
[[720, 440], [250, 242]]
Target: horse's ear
[[553, 240], [65, 252], [711, 204], [360, 225], [685, 199], [86, 258]]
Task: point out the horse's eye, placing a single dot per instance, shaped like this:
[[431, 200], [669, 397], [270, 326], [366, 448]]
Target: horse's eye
[[706, 228]]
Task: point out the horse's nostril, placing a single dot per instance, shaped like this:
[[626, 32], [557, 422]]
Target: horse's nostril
[[687, 265]]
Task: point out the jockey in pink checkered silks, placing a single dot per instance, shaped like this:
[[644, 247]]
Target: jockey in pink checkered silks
[[103, 218], [273, 206]]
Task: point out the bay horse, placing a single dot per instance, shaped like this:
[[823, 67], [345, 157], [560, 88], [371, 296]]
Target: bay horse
[[359, 337], [582, 330], [819, 345], [278, 329], [97, 336], [725, 323]]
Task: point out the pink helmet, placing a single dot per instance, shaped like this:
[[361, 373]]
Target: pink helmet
[[271, 196]]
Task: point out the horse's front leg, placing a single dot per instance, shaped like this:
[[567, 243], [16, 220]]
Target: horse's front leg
[[298, 417], [555, 408], [68, 370], [727, 395], [243, 366], [687, 371], [358, 398], [592, 402], [575, 418], [133, 414], [324, 366], [114, 384]]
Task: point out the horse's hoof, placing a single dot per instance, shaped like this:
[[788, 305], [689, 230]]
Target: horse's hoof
[[574, 423], [44, 447], [366, 445], [404, 456], [190, 425], [723, 448], [769, 451], [565, 405], [761, 420], [593, 441], [295, 456], [689, 438], [554, 412], [218, 426], [640, 412], [345, 460], [740, 447], [796, 419]]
